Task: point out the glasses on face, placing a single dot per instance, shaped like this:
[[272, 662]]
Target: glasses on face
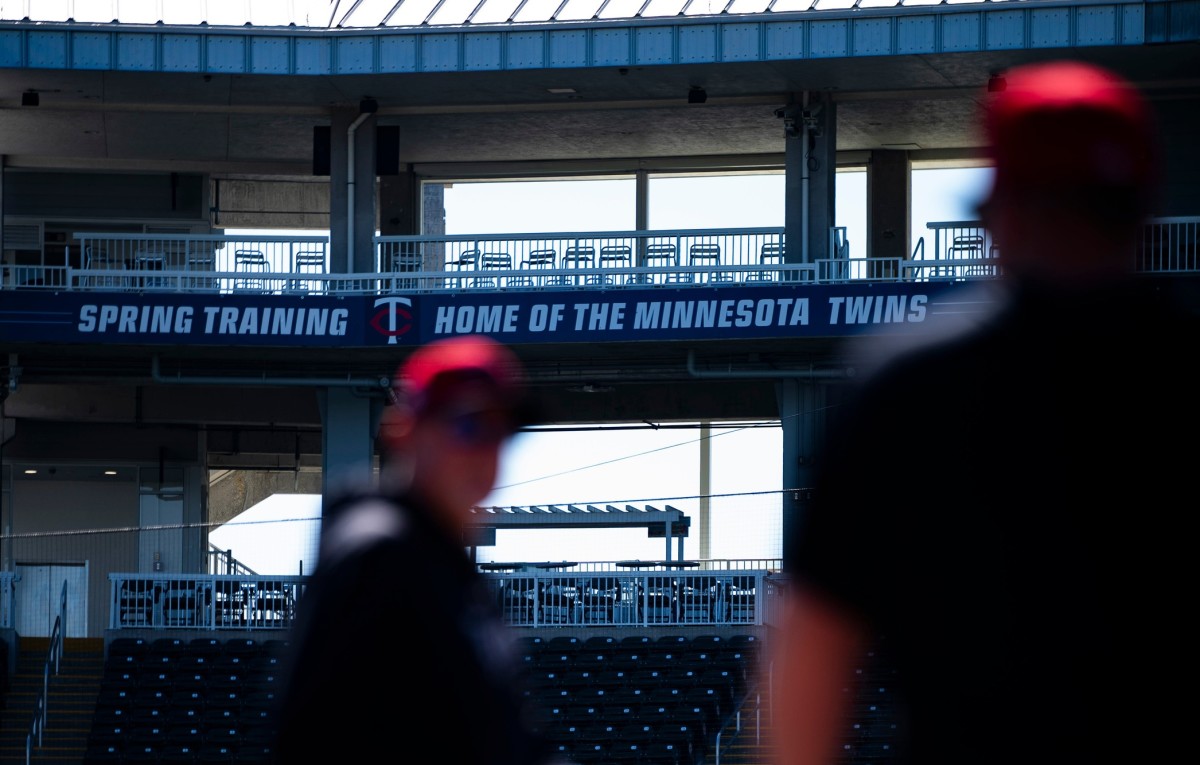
[[479, 428]]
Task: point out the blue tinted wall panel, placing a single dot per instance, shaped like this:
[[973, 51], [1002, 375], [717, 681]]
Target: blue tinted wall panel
[[92, 50], [916, 35], [1133, 24], [785, 40], [1004, 31], [612, 47], [1050, 28], [313, 56], [181, 53], [526, 50], [872, 37], [568, 48], [398, 54], [741, 42], [698, 44], [961, 32], [827, 39], [137, 53], [481, 51], [355, 55], [10, 48], [1185, 21], [47, 50], [270, 55], [226, 53], [1096, 26], [655, 45], [439, 53]]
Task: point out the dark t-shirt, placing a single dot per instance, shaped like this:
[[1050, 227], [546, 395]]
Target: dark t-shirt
[[1006, 510], [398, 653]]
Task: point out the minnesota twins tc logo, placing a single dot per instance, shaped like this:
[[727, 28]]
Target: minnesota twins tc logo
[[394, 320]]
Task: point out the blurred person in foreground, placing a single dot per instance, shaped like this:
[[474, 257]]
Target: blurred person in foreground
[[993, 535], [398, 649]]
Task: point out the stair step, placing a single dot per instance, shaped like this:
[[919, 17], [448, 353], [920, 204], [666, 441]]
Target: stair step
[[71, 703]]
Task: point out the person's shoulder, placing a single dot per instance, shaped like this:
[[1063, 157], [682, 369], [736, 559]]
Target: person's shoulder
[[889, 356], [360, 518]]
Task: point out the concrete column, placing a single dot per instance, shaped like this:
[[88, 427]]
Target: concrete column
[[641, 212], [358, 257], [705, 489], [400, 213], [349, 425], [795, 186], [810, 165], [801, 407], [399, 205], [889, 208], [821, 163]]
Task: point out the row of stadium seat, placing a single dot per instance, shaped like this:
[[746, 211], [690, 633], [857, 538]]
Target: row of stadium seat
[[658, 701], [173, 700]]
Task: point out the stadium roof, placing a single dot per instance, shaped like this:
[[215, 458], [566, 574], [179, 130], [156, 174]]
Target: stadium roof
[[587, 516], [370, 14]]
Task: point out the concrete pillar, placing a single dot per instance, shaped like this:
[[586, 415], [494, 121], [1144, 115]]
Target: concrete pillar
[[801, 407], [795, 186], [810, 165], [349, 424], [705, 489], [352, 254], [821, 164], [641, 213], [399, 204], [889, 209]]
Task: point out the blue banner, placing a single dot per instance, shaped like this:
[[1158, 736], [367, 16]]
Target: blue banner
[[723, 313]]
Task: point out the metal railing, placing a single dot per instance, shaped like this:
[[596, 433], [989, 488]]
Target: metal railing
[[206, 601], [53, 661], [587, 259], [8, 583], [1170, 245], [680, 259], [647, 593], [661, 597], [222, 562]]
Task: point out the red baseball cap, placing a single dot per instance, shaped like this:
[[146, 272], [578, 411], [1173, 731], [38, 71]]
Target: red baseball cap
[[428, 378], [1069, 124]]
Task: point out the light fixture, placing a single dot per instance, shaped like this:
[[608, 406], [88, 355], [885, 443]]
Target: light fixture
[[30, 98], [110, 472], [590, 388], [561, 91], [30, 471], [697, 95]]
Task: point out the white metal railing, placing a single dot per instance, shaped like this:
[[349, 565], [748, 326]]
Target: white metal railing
[[629, 593], [960, 250], [205, 601], [222, 562], [1170, 245], [663, 596], [594, 258]]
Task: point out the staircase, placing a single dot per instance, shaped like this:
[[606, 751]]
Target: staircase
[[741, 742], [71, 701]]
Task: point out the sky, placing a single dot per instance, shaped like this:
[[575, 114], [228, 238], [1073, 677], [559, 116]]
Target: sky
[[655, 464]]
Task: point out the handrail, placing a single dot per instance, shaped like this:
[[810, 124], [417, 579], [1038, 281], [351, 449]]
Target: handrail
[[53, 656], [222, 562], [416, 263], [738, 723]]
